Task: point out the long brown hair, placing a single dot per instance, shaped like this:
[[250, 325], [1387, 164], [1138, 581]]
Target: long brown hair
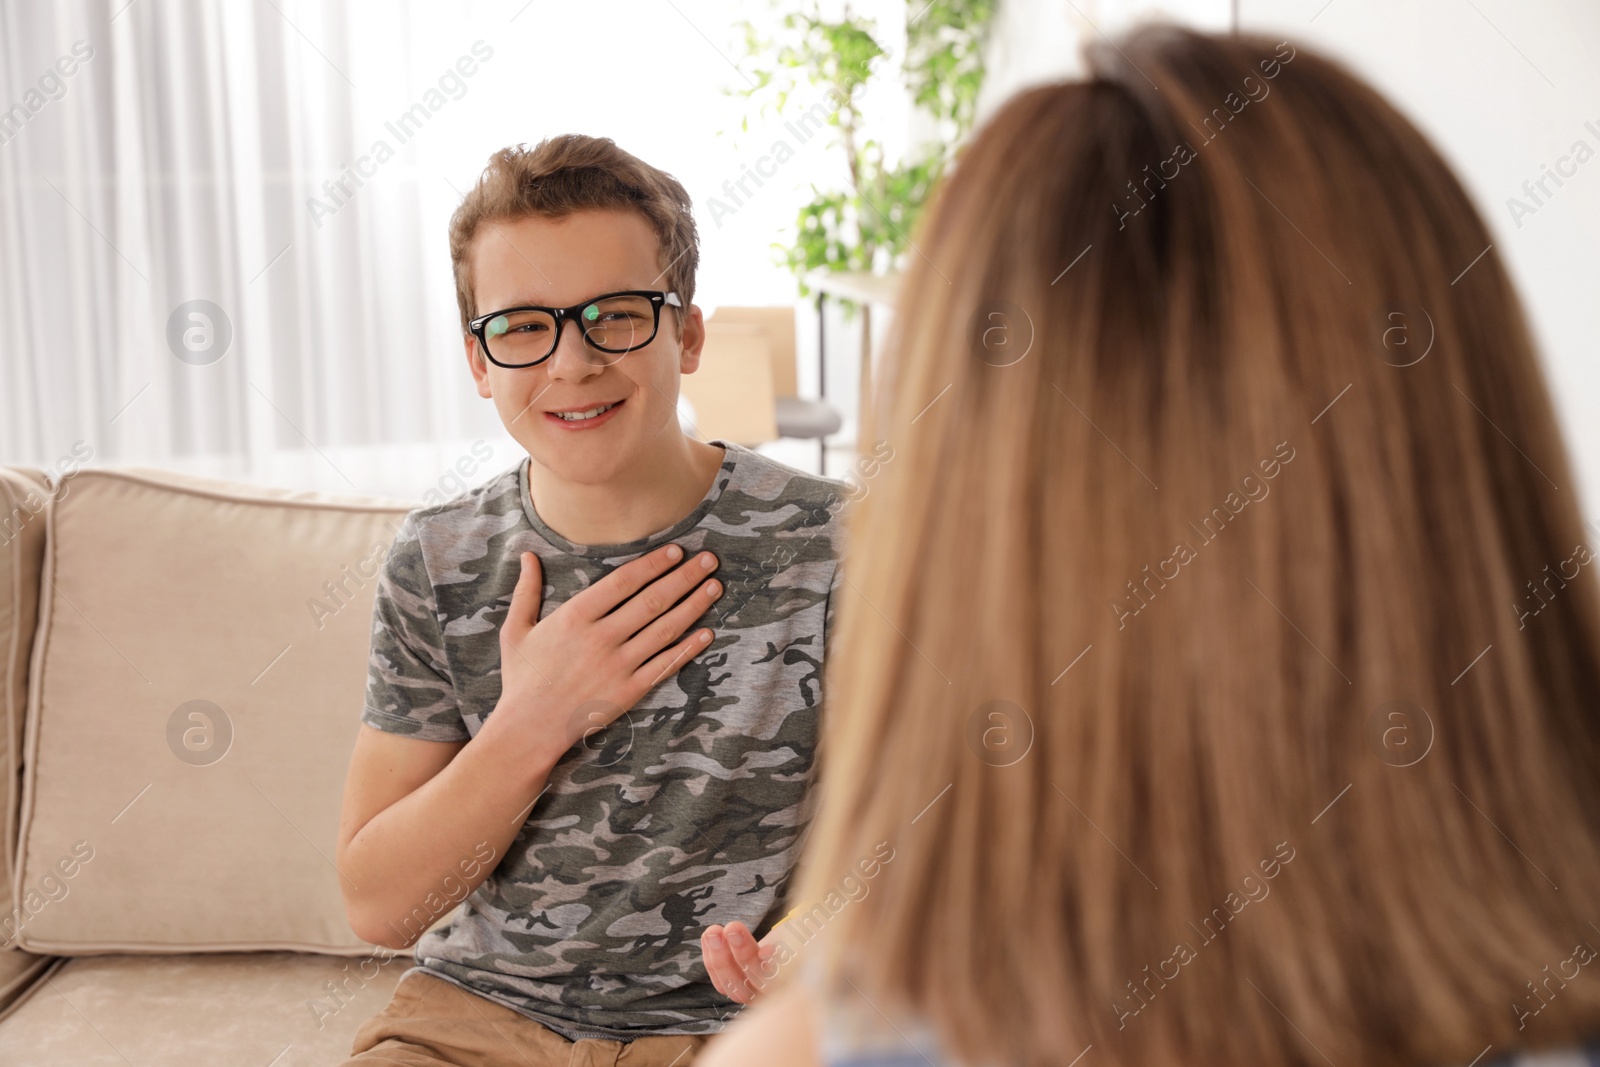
[[1218, 657]]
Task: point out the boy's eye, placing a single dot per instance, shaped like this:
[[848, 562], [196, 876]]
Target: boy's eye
[[520, 323]]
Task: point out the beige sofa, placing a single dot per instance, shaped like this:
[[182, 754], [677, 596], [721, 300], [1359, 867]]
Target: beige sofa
[[184, 663]]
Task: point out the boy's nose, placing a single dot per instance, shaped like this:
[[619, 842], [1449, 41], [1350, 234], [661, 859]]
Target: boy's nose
[[573, 360]]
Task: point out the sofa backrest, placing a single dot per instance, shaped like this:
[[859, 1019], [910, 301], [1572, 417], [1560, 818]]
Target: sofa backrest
[[23, 496], [195, 694]]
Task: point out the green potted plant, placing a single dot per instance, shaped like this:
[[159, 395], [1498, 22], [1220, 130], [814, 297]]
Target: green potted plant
[[866, 224]]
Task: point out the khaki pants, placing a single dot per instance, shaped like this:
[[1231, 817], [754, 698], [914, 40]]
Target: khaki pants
[[432, 1023]]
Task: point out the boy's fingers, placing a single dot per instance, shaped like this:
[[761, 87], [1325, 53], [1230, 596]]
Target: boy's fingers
[[655, 670], [651, 603], [670, 626], [720, 966], [526, 597], [746, 953], [626, 580]]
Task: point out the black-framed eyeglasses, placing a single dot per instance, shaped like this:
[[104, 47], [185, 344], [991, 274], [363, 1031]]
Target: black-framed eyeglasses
[[613, 324]]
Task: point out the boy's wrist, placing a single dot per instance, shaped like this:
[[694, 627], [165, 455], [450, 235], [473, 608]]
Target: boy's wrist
[[517, 756]]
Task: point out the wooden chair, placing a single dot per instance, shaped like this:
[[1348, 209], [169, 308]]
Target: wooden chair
[[732, 390], [794, 415]]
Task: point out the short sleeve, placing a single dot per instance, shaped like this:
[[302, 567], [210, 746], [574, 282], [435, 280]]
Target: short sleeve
[[831, 612], [841, 509], [409, 690]]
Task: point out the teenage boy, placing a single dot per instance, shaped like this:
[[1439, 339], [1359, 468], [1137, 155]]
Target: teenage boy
[[595, 681]]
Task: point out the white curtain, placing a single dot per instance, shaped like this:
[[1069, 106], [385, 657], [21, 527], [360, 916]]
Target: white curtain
[[161, 152]]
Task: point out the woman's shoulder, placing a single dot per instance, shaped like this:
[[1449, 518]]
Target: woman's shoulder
[[780, 1030], [852, 1038], [852, 1031], [792, 1028], [1585, 1055]]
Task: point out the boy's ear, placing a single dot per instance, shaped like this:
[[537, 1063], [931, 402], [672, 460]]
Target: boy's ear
[[691, 340], [478, 365]]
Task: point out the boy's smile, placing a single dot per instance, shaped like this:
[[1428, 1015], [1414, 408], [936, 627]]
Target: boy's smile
[[574, 419]]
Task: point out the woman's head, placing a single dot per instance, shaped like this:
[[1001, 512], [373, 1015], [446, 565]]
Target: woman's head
[[1215, 544]]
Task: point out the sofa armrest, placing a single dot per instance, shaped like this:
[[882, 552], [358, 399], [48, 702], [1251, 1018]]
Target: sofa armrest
[[24, 495]]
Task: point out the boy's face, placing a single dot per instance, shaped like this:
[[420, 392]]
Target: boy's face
[[558, 263]]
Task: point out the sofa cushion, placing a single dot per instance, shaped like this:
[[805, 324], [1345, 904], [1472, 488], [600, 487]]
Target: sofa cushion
[[280, 1008], [23, 496], [19, 971], [198, 682]]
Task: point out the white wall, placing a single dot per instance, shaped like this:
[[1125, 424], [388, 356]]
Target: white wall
[[1503, 87]]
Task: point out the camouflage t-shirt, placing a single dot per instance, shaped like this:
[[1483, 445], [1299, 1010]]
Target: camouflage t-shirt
[[687, 811]]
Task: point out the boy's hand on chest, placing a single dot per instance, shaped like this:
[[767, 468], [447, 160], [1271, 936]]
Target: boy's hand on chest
[[599, 653]]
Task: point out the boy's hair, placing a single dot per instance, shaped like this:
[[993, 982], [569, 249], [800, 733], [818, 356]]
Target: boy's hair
[[570, 173]]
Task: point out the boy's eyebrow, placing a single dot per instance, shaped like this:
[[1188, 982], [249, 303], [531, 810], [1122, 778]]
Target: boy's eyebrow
[[539, 302]]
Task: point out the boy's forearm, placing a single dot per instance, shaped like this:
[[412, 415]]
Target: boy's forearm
[[418, 858]]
